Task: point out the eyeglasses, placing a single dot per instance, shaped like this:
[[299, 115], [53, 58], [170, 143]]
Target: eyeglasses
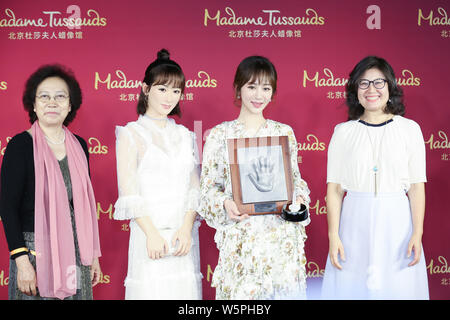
[[377, 83], [60, 98]]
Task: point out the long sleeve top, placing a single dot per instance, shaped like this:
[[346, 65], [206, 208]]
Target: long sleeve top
[[157, 171], [17, 188]]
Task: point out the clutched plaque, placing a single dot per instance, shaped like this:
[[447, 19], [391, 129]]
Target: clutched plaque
[[261, 175]]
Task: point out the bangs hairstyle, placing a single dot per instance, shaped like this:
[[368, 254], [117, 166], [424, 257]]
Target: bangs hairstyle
[[395, 103], [252, 69], [170, 76], [162, 71]]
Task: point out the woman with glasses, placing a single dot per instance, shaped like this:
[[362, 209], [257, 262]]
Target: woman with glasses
[[47, 203], [378, 159]]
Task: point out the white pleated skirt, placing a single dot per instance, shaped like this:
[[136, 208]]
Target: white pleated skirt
[[375, 232]]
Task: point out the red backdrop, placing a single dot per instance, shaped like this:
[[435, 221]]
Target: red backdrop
[[314, 46]]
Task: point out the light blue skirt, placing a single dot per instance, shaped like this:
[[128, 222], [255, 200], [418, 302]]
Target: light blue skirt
[[375, 232]]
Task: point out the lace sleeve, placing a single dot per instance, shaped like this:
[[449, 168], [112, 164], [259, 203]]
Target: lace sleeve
[[212, 181], [130, 203], [194, 185]]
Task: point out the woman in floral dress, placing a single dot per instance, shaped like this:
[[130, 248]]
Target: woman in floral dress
[[261, 257]]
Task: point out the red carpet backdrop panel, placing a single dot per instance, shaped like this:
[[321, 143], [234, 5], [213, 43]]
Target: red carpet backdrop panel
[[314, 46]]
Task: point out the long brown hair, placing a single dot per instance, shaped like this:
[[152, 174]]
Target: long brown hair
[[162, 71]]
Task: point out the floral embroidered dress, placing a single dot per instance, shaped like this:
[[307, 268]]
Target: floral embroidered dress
[[261, 257], [157, 171]]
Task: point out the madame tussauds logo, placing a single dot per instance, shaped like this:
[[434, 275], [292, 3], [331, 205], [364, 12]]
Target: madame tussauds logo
[[328, 79], [439, 142], [119, 80], [313, 270], [96, 147], [4, 279], [312, 143], [440, 19], [3, 147], [53, 19], [268, 17], [441, 266]]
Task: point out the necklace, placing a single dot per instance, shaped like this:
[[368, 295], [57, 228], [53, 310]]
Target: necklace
[[57, 143], [376, 156]]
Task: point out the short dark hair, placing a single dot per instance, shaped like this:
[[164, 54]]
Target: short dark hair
[[253, 68], [159, 72], [49, 71], [395, 104]]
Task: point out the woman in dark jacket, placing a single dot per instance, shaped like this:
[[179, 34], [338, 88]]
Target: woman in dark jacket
[[47, 203]]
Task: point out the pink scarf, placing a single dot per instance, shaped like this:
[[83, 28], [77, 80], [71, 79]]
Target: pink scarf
[[55, 250]]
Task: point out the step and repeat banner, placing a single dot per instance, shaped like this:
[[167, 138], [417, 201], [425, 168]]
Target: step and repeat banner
[[314, 46]]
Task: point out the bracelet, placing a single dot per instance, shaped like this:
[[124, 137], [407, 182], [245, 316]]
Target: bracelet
[[23, 249]]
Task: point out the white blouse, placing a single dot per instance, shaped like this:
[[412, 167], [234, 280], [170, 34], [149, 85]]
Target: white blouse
[[396, 148], [157, 171]]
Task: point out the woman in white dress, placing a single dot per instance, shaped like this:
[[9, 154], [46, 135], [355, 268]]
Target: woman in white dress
[[378, 159], [157, 169], [261, 257]]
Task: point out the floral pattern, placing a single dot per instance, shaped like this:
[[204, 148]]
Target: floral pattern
[[261, 257]]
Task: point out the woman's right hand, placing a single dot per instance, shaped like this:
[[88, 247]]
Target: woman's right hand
[[156, 246], [336, 249], [233, 212], [26, 275]]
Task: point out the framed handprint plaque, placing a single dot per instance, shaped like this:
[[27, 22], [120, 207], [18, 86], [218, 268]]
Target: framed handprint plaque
[[261, 174]]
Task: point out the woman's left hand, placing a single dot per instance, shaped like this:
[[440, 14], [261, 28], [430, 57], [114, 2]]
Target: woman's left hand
[[415, 244], [95, 272], [184, 238]]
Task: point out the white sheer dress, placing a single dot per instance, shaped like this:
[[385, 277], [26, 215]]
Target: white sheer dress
[[158, 177]]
